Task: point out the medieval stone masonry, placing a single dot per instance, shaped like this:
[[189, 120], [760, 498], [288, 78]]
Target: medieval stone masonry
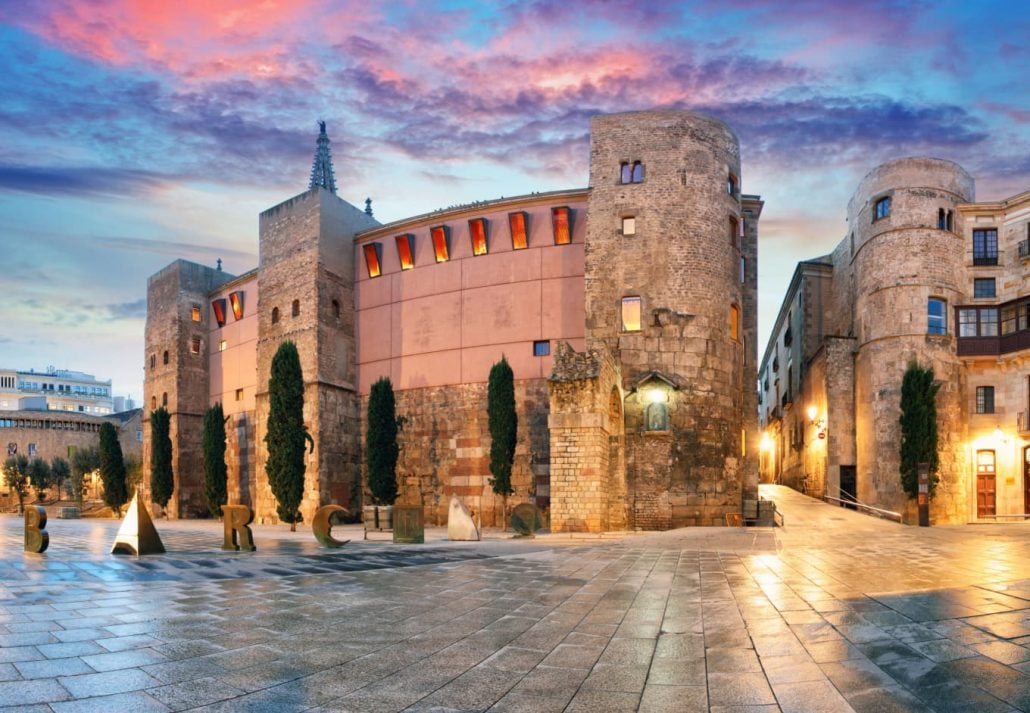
[[924, 275], [627, 311]]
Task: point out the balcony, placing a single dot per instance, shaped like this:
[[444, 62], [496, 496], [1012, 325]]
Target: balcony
[[980, 260]]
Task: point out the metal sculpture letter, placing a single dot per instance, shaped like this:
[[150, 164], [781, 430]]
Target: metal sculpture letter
[[236, 519], [36, 537], [322, 526]]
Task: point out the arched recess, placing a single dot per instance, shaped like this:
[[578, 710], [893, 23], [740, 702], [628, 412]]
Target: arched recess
[[618, 509]]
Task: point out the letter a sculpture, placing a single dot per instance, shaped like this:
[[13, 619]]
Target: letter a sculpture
[[137, 535]]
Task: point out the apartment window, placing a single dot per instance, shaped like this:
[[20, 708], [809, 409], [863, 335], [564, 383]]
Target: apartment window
[[561, 219], [985, 399], [734, 322], [978, 322], [405, 251], [373, 259], [984, 287], [517, 224], [631, 314], [629, 225], [195, 345], [441, 243], [883, 208], [222, 345], [218, 307], [164, 357], [295, 308], [477, 232], [985, 246], [236, 300], [153, 360], [541, 348], [239, 394], [936, 316], [275, 315], [195, 313]]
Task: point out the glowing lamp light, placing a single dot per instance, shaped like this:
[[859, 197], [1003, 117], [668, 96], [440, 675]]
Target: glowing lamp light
[[766, 443], [812, 412], [657, 396]]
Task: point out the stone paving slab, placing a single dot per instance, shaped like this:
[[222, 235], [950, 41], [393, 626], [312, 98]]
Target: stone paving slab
[[834, 612]]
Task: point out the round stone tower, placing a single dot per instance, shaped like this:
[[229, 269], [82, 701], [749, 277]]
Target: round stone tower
[[668, 294], [909, 271]]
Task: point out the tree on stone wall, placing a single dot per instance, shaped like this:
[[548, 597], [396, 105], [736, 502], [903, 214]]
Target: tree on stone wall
[[59, 472], [918, 427], [503, 423], [112, 469], [16, 473], [286, 433], [215, 472], [39, 474], [162, 478], [381, 443]]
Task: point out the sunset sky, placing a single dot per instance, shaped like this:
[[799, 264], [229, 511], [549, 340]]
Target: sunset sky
[[134, 133]]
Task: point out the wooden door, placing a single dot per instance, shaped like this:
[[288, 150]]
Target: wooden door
[[985, 484], [1026, 481]]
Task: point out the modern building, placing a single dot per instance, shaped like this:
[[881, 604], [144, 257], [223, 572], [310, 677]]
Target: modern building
[[626, 309], [926, 275], [55, 390]]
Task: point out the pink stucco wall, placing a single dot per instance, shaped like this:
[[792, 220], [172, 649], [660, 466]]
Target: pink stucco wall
[[235, 367], [447, 323]]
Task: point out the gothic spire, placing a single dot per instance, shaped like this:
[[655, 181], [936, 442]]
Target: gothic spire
[[322, 166]]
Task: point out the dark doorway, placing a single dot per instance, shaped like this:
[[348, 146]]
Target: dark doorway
[[848, 485]]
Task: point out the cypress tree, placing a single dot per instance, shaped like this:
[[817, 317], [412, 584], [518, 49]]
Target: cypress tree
[[162, 479], [503, 422], [918, 427], [215, 473], [286, 433], [112, 469], [381, 443]]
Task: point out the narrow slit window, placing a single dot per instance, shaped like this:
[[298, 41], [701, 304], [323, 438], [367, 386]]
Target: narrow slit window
[[735, 323], [562, 221], [164, 357], [631, 314], [942, 219], [164, 399], [629, 225], [625, 172], [239, 394], [336, 309], [743, 269], [517, 223], [477, 231], [218, 307], [295, 310], [883, 208], [275, 315], [222, 345], [440, 243], [406, 250], [153, 360], [236, 301], [734, 231], [373, 259]]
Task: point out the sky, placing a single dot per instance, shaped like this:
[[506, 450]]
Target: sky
[[133, 133]]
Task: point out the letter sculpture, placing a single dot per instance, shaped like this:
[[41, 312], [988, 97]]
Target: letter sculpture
[[237, 519], [137, 535], [36, 537], [322, 526]]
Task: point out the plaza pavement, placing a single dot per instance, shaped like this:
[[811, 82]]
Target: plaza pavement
[[836, 611]]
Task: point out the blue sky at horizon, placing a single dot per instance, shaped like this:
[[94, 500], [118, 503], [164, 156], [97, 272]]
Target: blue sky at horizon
[[134, 133]]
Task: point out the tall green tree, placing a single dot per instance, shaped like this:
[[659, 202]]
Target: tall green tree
[[84, 461], [39, 474], [216, 476], [918, 427], [286, 433], [162, 479], [16, 473], [503, 422], [59, 472], [381, 443], [112, 469]]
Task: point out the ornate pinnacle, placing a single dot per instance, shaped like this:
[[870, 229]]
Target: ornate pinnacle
[[322, 166]]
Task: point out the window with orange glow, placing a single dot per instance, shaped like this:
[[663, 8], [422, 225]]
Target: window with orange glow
[[195, 345], [236, 300], [735, 323], [195, 313], [406, 250], [441, 243], [477, 230], [519, 236], [218, 307], [373, 259], [631, 314], [562, 220]]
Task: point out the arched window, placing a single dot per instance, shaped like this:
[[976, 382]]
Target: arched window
[[625, 172], [153, 403], [735, 323], [164, 398], [164, 357], [296, 308], [153, 360], [638, 172], [275, 315]]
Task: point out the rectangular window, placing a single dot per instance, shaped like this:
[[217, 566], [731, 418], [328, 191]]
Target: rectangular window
[[562, 221], [989, 322], [743, 269], [631, 314], [1008, 319], [218, 307], [236, 300], [629, 225], [239, 394], [984, 287], [477, 231], [373, 259], [222, 345], [195, 313], [985, 399], [936, 316], [406, 250], [883, 208], [441, 244], [985, 246], [541, 348], [517, 225], [967, 322], [195, 345]]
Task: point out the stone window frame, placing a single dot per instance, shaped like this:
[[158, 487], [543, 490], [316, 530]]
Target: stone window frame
[[631, 172], [275, 315], [735, 231], [164, 399], [153, 403], [295, 308], [987, 254], [195, 313], [632, 225], [164, 357], [195, 345], [945, 220], [936, 324], [336, 308], [882, 207], [985, 400], [732, 184]]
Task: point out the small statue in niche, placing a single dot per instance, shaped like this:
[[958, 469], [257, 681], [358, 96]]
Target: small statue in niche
[[656, 417]]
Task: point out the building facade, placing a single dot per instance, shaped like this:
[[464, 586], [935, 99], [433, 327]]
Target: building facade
[[925, 275], [627, 311], [55, 390]]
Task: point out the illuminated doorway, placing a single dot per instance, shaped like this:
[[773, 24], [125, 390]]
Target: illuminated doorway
[[985, 484]]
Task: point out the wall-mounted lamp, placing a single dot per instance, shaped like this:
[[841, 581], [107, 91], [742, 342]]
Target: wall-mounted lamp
[[820, 423], [766, 444], [812, 412], [657, 396]]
